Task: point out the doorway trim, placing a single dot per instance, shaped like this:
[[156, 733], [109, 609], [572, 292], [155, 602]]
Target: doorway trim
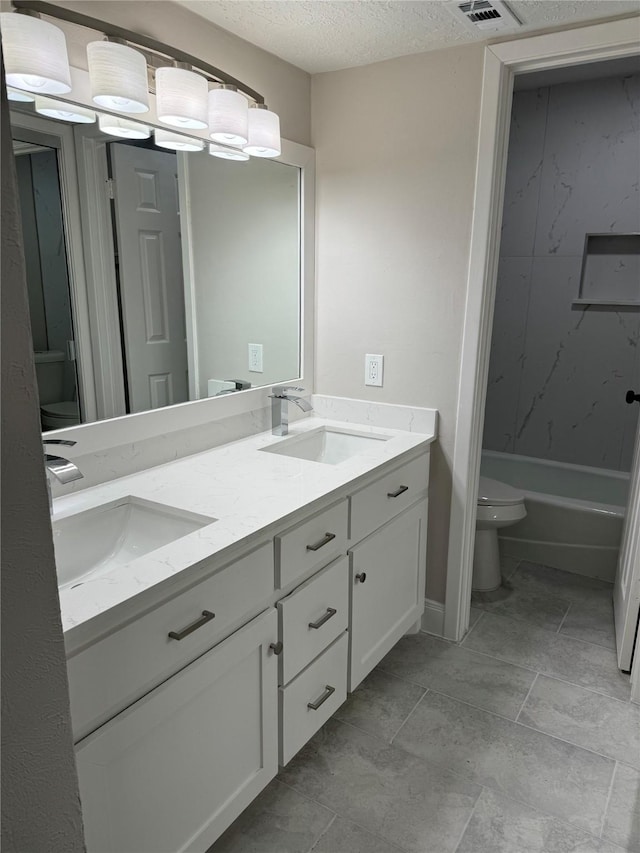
[[501, 63]]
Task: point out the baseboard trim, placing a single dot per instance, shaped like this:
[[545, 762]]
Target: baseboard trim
[[433, 618]]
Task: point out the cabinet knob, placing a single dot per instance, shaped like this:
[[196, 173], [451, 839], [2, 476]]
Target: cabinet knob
[[276, 648], [361, 576]]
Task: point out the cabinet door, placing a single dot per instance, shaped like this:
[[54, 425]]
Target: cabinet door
[[169, 774], [387, 589]]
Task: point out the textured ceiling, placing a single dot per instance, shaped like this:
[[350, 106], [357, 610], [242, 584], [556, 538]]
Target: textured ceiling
[[326, 35]]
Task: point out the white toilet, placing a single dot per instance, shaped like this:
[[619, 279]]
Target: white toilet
[[55, 413], [499, 505]]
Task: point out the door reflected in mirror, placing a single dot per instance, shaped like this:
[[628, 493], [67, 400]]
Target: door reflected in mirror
[[181, 281]]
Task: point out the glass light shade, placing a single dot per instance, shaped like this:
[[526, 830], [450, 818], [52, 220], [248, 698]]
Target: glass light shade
[[116, 126], [118, 77], [227, 153], [181, 98], [176, 142], [64, 112], [35, 55], [228, 116], [264, 133], [20, 96]]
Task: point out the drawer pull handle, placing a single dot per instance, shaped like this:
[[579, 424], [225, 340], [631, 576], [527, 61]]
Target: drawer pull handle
[[331, 611], [328, 690], [361, 576], [207, 616], [324, 541], [398, 491], [276, 648]]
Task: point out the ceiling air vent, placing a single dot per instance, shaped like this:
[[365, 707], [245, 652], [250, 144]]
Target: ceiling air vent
[[487, 14]]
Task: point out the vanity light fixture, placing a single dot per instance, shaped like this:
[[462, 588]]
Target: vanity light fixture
[[63, 111], [236, 154], [118, 76], [181, 98], [35, 55], [176, 141], [264, 132], [120, 70], [228, 116], [124, 127]]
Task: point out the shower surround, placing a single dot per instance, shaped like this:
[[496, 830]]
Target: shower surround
[[558, 371]]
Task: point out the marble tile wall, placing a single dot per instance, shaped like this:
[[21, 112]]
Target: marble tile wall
[[559, 372]]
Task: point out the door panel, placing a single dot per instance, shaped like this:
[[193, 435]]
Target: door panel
[[626, 591], [151, 283]]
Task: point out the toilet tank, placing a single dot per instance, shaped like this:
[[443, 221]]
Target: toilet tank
[[50, 375]]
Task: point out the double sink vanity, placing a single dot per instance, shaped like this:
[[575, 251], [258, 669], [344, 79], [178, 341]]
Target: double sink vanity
[[218, 609]]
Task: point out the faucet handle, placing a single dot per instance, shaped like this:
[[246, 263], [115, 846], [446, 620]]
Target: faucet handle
[[64, 441], [283, 390]]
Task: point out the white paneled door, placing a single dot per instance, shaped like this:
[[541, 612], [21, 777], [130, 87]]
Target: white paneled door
[[626, 593], [150, 273]]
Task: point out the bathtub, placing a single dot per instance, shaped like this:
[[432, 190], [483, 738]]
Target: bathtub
[[574, 513]]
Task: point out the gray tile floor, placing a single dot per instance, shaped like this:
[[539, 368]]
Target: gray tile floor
[[521, 739]]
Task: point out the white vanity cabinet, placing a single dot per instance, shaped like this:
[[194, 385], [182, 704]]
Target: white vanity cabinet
[[169, 774], [387, 572], [182, 717]]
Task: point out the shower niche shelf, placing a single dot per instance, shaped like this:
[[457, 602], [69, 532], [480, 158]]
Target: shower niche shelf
[[610, 270]]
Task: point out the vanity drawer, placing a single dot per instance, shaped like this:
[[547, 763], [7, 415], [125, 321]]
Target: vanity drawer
[[312, 544], [313, 616], [380, 501], [122, 667], [322, 685]]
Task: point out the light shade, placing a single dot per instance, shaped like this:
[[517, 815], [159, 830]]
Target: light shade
[[118, 75], [181, 98], [35, 55], [64, 112], [236, 154], [228, 116], [116, 126], [264, 133], [176, 141], [20, 95]]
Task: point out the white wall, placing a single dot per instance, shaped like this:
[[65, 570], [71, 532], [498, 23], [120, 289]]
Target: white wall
[[559, 371], [285, 88], [40, 802], [396, 146]]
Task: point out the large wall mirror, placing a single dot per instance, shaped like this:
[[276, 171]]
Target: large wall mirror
[[156, 278]]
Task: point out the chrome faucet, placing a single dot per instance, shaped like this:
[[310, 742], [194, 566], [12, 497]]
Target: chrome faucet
[[62, 469], [280, 410]]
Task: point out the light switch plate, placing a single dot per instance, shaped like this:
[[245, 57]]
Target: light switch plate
[[373, 369], [255, 358]]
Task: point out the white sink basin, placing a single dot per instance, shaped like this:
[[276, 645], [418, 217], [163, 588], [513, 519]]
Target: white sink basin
[[90, 543], [326, 444]]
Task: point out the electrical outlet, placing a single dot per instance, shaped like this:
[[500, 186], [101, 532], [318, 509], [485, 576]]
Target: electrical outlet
[[373, 369], [255, 358]]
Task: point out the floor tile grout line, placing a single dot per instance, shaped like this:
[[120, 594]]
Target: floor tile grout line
[[472, 628], [306, 797], [409, 715], [524, 701], [626, 702], [606, 805], [563, 620], [324, 832], [430, 762], [468, 821], [540, 628], [517, 723]]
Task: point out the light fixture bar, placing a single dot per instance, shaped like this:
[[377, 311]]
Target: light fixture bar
[[113, 31]]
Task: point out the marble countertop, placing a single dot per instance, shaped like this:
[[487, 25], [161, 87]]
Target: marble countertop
[[244, 490]]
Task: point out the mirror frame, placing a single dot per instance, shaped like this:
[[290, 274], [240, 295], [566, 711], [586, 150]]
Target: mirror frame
[[123, 429]]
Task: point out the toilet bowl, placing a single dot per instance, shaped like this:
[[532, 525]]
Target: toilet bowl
[[55, 412], [499, 505]]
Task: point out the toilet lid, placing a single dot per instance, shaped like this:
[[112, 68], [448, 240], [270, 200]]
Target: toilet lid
[[65, 409], [493, 493]]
